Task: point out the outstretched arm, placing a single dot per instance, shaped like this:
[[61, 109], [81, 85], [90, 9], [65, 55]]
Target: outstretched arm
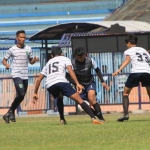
[[123, 65], [37, 84], [99, 74]]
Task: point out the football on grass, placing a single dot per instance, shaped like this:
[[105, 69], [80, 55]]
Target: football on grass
[[80, 108]]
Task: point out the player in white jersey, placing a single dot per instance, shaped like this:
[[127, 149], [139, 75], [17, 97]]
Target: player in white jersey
[[140, 71], [57, 84], [20, 54]]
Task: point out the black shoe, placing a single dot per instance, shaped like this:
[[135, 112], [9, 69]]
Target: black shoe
[[125, 117], [100, 117], [63, 122], [6, 118], [12, 116]]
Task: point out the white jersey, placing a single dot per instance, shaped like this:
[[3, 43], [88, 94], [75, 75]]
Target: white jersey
[[139, 59], [55, 70], [20, 57]]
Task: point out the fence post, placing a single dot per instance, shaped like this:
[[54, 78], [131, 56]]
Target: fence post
[[139, 95]]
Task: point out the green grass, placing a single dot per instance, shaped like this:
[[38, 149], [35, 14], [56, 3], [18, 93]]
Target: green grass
[[45, 133]]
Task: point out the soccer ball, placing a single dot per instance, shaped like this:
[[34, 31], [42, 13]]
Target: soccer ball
[[80, 108]]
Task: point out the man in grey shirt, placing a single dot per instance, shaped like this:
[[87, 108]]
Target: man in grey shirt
[[20, 54]]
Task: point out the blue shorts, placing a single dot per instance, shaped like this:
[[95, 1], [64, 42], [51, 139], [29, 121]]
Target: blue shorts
[[134, 79], [63, 88], [84, 94]]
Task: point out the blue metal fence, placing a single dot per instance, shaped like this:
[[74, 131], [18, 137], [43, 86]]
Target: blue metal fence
[[107, 62]]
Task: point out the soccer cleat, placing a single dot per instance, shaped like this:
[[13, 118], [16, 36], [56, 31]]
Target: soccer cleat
[[12, 116], [63, 122], [95, 121], [125, 117], [101, 119], [6, 118]]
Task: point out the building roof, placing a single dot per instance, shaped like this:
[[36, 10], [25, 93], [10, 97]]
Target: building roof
[[56, 32]]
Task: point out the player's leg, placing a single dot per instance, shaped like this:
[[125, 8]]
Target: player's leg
[[76, 97], [25, 87], [132, 81], [67, 90], [20, 92], [145, 81], [91, 95], [60, 106], [148, 92], [125, 103], [97, 109]]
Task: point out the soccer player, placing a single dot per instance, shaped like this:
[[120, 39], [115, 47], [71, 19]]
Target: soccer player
[[82, 66], [20, 54], [140, 71], [57, 84]]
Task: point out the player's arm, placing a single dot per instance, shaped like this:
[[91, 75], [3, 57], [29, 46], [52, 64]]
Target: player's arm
[[79, 87], [33, 60], [123, 65], [7, 56], [68, 77], [4, 62], [99, 74], [37, 84]]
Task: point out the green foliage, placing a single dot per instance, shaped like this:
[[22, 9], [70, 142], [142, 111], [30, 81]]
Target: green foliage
[[45, 133]]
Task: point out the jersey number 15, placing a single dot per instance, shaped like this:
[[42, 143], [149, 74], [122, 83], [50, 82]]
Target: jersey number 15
[[53, 67]]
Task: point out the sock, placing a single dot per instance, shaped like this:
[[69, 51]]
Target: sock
[[94, 112], [60, 107], [87, 109], [125, 104], [98, 110]]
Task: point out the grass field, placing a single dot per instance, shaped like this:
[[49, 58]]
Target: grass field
[[45, 133]]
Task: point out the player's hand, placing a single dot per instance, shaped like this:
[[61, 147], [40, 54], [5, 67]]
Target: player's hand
[[79, 88], [7, 66], [36, 59], [35, 98], [105, 86], [116, 73]]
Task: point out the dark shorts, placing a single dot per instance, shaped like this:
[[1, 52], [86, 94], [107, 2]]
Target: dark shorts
[[61, 88], [84, 94], [134, 79]]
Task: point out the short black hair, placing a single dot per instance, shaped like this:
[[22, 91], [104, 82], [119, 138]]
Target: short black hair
[[79, 51], [56, 51], [20, 31], [131, 38]]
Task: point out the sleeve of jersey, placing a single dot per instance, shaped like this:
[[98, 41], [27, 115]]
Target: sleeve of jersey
[[68, 62], [44, 71], [148, 55], [94, 65], [8, 54], [30, 53], [126, 53]]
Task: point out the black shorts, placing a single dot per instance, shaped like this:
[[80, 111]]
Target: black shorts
[[134, 79], [61, 88]]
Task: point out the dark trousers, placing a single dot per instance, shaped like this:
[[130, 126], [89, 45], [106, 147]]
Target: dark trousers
[[21, 88]]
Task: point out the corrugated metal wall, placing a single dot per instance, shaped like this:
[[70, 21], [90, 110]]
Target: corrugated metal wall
[[107, 62]]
